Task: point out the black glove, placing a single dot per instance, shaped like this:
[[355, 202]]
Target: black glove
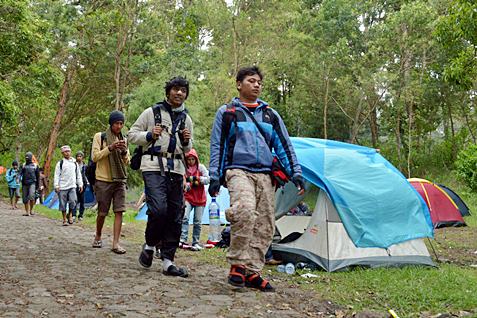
[[298, 181], [214, 187]]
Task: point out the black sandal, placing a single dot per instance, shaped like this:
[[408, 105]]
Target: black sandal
[[237, 276], [256, 281]]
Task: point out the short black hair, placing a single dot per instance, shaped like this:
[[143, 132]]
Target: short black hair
[[248, 71], [177, 81]]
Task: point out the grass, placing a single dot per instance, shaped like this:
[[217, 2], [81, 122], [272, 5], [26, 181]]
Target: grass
[[409, 291]]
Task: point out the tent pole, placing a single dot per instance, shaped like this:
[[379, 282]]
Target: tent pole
[[433, 250]]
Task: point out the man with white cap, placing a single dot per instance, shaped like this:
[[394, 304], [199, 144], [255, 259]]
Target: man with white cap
[[67, 179]]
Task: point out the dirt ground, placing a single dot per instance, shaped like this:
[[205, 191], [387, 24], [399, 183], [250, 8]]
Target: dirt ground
[[456, 245], [47, 270]]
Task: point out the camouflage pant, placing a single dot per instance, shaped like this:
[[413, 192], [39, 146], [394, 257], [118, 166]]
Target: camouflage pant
[[251, 216]]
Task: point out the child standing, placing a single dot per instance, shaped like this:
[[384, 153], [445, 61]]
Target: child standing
[[196, 177]]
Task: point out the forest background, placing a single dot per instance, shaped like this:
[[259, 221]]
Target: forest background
[[391, 74]]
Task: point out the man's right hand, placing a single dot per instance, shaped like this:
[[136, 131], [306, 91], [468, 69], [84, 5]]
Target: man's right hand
[[214, 188], [156, 132], [118, 144], [57, 189]]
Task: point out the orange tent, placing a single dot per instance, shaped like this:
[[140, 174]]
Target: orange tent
[[444, 211], [3, 170]]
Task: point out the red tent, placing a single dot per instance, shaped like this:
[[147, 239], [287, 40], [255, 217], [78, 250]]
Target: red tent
[[444, 211]]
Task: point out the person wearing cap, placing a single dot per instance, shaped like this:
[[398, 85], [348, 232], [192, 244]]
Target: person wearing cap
[[13, 182], [67, 179], [165, 133], [80, 192], [30, 176], [111, 155]]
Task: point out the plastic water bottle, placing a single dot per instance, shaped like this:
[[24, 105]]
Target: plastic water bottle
[[214, 221], [281, 268], [290, 269]]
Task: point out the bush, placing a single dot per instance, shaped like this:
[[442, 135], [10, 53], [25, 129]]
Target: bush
[[466, 165]]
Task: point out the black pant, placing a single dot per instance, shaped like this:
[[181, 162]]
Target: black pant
[[165, 199], [80, 202]]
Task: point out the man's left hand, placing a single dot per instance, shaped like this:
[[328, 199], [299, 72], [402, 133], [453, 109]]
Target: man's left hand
[[80, 189], [299, 183], [186, 135]]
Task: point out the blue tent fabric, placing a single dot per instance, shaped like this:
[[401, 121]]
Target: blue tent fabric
[[52, 202], [377, 205], [223, 200]]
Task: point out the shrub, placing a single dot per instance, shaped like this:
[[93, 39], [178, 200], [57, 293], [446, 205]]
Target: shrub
[[466, 165]]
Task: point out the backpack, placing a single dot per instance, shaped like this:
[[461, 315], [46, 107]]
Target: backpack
[[91, 167], [225, 238], [279, 174]]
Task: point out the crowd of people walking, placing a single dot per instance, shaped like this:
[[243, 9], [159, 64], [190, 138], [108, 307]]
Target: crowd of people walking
[[248, 137]]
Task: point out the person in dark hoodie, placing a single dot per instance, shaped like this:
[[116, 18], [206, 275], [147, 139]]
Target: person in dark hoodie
[[196, 177], [30, 175]]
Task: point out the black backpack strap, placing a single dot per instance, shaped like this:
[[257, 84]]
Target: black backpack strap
[[103, 138], [156, 110], [61, 165], [228, 117]]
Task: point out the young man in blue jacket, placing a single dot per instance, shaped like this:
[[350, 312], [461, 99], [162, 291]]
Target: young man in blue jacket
[[244, 134], [13, 180]]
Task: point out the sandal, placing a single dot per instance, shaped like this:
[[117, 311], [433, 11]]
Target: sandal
[[118, 250], [65, 223], [237, 276], [97, 244], [256, 281]]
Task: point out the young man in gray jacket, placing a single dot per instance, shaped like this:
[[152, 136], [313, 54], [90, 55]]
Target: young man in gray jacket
[[165, 133], [67, 179]]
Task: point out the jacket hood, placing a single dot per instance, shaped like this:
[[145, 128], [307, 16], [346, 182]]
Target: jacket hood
[[193, 153]]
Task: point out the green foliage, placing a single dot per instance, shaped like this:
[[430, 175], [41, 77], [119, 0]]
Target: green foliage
[[457, 33], [466, 165]]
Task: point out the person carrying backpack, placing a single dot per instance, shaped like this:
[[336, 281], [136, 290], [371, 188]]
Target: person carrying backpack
[[30, 176], [13, 182], [80, 192], [111, 155], [67, 179], [165, 132], [246, 134]]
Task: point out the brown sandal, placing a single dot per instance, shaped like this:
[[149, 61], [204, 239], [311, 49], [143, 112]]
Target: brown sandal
[[118, 250], [237, 276]]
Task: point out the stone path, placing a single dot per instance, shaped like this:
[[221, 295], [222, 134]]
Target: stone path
[[47, 270]]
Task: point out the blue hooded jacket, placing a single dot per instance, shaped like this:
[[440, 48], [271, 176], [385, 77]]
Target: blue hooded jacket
[[244, 147]]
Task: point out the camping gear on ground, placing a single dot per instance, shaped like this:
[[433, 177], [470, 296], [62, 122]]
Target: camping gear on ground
[[444, 211], [214, 221], [463, 208], [223, 199], [290, 269], [366, 213]]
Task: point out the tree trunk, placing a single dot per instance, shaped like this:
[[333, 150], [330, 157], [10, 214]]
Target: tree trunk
[[356, 124], [55, 130], [467, 122], [454, 145], [325, 108], [373, 123]]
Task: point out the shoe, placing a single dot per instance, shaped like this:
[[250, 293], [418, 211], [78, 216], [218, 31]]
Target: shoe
[[256, 281], [237, 276], [158, 253], [196, 247], [184, 246], [173, 270], [80, 219], [74, 219], [146, 256], [272, 261]]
